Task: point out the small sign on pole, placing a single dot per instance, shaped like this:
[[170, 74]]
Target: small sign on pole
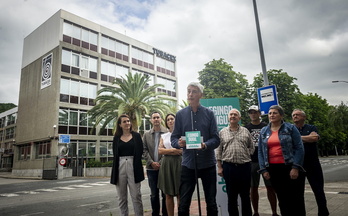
[[267, 97]]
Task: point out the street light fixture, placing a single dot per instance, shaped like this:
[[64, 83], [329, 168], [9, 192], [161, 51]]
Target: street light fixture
[[336, 81]]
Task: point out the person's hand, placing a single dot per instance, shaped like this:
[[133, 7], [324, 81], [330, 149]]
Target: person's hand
[[266, 175], [294, 173], [182, 143], [220, 169], [176, 151], [203, 146], [155, 165]]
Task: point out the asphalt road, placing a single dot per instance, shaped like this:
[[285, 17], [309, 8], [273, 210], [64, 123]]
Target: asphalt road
[[96, 196]]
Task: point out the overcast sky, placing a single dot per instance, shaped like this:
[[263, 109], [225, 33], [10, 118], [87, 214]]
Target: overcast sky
[[307, 39]]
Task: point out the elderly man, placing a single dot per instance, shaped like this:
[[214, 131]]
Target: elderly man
[[311, 164], [233, 159], [197, 118]]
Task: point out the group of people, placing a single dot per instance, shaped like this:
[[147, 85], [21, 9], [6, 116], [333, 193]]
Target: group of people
[[282, 153]]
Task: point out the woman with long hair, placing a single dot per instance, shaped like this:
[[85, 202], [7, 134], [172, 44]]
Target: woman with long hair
[[169, 173], [281, 154], [127, 169]]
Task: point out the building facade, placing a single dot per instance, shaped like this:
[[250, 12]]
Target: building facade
[[65, 62], [7, 138]]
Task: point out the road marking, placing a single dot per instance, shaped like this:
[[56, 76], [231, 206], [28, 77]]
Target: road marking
[[47, 190], [93, 204], [9, 195], [81, 186], [36, 213], [71, 181], [65, 188]]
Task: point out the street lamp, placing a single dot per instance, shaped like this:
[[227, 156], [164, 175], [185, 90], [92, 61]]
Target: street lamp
[[336, 81]]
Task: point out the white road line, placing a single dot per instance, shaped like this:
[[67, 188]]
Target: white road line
[[36, 213], [9, 195], [47, 190], [81, 186], [97, 184], [93, 204], [64, 188]]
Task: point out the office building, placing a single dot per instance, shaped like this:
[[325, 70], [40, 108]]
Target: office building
[[65, 62]]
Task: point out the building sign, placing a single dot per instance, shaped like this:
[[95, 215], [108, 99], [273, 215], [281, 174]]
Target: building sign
[[267, 97], [221, 107], [46, 73], [164, 55]]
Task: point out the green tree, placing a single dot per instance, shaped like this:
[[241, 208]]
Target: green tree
[[317, 110], [132, 96], [338, 117], [6, 106], [221, 81], [289, 95]]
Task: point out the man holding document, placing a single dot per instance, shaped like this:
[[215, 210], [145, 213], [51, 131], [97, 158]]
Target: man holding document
[[195, 131]]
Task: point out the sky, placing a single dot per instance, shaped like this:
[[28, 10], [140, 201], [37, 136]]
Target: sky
[[307, 39]]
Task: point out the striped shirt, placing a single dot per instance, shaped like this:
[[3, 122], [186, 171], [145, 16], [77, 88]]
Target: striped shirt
[[235, 146]]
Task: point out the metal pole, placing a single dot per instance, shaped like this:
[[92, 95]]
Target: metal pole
[[196, 175], [263, 63]]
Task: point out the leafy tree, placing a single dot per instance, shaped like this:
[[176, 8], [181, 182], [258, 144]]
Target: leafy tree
[[338, 117], [317, 110], [221, 81], [289, 95], [130, 95], [6, 106]]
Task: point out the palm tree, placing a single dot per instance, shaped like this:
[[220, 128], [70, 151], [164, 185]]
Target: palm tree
[[132, 96]]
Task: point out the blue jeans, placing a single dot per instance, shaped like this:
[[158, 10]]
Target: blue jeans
[[187, 187], [152, 176], [237, 178]]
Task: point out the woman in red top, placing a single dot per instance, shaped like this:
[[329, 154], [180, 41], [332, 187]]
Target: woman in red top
[[281, 155]]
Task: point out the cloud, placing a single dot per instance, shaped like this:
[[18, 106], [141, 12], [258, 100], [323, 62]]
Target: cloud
[[307, 39]]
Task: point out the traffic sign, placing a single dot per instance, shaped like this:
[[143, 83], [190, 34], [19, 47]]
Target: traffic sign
[[63, 138], [62, 161], [267, 97]]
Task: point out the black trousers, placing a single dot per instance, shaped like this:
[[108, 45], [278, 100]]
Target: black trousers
[[290, 192], [314, 174]]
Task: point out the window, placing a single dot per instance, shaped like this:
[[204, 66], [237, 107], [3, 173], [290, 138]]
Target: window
[[24, 152], [43, 150], [110, 71], [73, 121], [166, 67], [79, 36], [78, 92], [79, 64], [169, 86], [114, 48], [10, 133], [142, 58]]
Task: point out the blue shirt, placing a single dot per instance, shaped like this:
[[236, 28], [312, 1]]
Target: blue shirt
[[204, 121]]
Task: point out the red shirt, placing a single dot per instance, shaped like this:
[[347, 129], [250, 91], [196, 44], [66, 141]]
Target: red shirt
[[275, 153]]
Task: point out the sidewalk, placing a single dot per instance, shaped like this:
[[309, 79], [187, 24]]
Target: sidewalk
[[336, 195]]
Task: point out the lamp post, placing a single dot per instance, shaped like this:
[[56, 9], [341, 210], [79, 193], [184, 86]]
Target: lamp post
[[336, 81]]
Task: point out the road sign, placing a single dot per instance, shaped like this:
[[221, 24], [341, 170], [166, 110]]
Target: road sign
[[63, 138], [62, 161], [267, 97]]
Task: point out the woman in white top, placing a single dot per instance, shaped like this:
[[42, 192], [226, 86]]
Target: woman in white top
[[169, 173]]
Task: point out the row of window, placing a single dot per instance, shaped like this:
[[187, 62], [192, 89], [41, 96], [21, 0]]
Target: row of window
[[8, 120], [76, 148], [77, 91], [80, 36], [8, 133], [88, 39]]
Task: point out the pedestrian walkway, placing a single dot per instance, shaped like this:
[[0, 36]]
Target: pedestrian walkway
[[336, 194]]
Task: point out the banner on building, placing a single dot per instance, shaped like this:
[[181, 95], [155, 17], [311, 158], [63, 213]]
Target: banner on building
[[46, 72], [221, 107]]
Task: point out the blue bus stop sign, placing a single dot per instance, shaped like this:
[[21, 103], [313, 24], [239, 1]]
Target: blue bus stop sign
[[267, 97], [63, 138]]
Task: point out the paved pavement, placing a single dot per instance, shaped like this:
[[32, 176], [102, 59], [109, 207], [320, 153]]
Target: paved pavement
[[336, 194]]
